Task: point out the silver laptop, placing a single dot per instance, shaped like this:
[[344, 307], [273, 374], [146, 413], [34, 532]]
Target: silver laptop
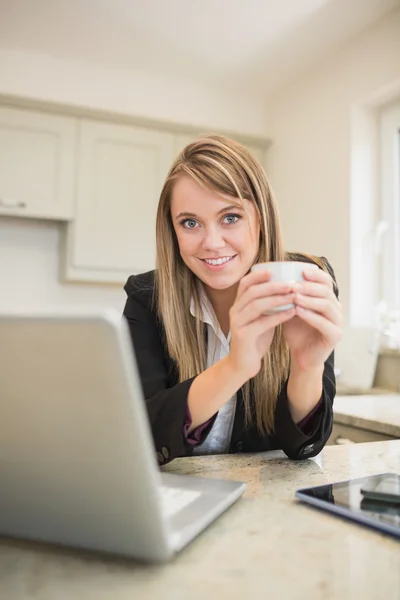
[[77, 460]]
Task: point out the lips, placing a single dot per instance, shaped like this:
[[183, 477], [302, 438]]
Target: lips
[[217, 261], [216, 264]]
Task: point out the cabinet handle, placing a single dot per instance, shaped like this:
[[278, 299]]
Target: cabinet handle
[[11, 203]]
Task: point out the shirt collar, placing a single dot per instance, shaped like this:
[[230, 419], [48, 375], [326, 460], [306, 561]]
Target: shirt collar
[[207, 313]]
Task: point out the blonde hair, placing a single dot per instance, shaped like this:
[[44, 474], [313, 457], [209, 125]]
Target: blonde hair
[[226, 167]]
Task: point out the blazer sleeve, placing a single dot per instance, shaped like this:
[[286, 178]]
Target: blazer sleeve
[[166, 404], [292, 439]]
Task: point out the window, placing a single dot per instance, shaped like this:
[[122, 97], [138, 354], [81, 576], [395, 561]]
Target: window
[[374, 255], [388, 228]]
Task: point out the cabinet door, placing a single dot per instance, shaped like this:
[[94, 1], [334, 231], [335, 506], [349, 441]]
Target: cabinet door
[[121, 170], [36, 164]]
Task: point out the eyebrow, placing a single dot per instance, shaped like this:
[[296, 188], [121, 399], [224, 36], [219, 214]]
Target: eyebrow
[[225, 209]]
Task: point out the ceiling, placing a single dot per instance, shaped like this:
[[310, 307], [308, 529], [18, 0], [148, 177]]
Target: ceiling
[[247, 45]]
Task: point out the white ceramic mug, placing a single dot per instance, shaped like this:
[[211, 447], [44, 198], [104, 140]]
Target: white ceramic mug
[[287, 272]]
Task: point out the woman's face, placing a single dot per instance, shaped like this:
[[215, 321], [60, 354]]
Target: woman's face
[[217, 240]]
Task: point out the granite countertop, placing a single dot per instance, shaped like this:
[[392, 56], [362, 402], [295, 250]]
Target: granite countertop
[[380, 413], [267, 545], [349, 390]]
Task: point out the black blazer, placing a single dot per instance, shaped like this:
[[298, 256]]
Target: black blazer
[[166, 399]]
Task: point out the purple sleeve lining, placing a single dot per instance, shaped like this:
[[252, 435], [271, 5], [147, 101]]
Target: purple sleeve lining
[[307, 424], [196, 436]]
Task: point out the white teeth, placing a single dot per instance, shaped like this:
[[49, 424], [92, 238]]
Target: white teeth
[[218, 261]]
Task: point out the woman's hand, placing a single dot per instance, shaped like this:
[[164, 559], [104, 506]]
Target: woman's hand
[[317, 327], [252, 328]]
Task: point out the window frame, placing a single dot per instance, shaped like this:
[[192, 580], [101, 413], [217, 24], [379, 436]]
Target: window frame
[[388, 237]]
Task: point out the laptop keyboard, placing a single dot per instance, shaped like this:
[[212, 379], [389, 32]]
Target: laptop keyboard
[[175, 499]]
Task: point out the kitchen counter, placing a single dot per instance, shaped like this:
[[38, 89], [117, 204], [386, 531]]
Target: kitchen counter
[[348, 390], [377, 413], [267, 545]]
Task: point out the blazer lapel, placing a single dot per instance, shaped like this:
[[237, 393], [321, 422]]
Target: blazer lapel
[[239, 429]]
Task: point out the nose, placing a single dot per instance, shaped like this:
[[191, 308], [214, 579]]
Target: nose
[[213, 239]]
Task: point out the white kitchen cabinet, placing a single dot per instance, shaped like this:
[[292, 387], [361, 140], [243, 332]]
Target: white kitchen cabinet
[[37, 161], [103, 178], [120, 173]]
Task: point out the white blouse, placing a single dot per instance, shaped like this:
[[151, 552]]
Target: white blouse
[[218, 346]]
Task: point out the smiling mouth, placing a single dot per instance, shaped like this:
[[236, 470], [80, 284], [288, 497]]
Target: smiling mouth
[[215, 262]]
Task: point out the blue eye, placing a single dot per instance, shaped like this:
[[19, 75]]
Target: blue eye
[[231, 218], [189, 223]]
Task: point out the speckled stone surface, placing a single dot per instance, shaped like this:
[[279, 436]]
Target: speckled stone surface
[[267, 545], [380, 413]]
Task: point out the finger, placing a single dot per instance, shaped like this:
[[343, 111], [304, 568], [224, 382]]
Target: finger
[[318, 275], [331, 332], [267, 322], [320, 290], [262, 290], [252, 278], [261, 306], [279, 317], [324, 306]]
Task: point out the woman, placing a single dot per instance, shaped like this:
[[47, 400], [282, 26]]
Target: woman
[[220, 372]]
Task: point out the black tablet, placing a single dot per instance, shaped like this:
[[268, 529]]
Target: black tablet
[[349, 499]]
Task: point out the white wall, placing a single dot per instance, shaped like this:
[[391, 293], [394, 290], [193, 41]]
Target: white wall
[[324, 128], [45, 78], [30, 273], [29, 250]]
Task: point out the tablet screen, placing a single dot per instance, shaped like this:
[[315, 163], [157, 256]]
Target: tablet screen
[[347, 496]]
